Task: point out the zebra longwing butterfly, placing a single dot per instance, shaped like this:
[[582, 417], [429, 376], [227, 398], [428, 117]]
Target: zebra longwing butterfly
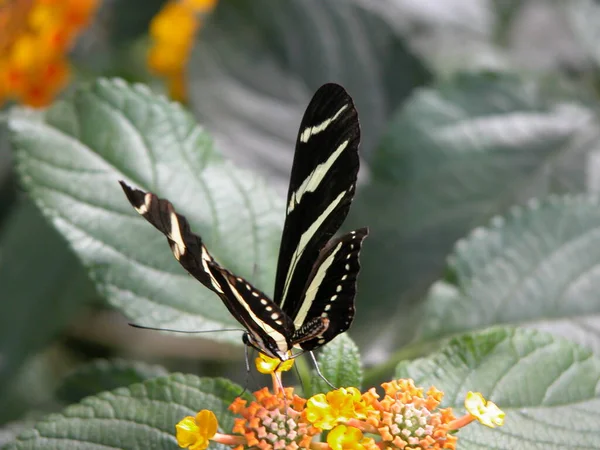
[[316, 276]]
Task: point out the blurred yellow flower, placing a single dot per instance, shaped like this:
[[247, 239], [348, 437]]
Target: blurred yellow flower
[[36, 36], [349, 438], [172, 32]]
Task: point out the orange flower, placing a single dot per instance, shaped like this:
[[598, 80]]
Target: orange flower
[[405, 417], [273, 421], [33, 46]]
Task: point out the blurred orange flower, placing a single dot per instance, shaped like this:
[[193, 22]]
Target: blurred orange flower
[[36, 36]]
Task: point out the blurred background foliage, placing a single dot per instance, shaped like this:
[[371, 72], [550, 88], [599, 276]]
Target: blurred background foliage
[[480, 141]]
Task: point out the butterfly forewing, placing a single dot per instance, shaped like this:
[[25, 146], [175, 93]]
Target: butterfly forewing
[[315, 283], [269, 326], [330, 290], [321, 189]]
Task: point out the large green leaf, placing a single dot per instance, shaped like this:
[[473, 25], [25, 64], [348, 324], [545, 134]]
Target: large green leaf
[[142, 416], [71, 162], [547, 386], [257, 63], [539, 266], [455, 156], [43, 287], [104, 375]]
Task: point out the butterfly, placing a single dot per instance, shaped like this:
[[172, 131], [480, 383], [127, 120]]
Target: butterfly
[[315, 282]]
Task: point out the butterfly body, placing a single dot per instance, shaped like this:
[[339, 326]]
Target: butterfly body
[[316, 275]]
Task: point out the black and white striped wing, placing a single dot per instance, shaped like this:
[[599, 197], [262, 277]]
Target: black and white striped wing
[[270, 327], [330, 292], [322, 185]]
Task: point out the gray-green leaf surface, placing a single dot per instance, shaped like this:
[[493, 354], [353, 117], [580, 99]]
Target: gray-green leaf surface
[[70, 163], [142, 416], [546, 385], [456, 155], [257, 63], [539, 266], [104, 375]]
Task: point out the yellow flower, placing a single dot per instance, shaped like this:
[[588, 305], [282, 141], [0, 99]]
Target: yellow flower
[[349, 438], [195, 432], [327, 410], [173, 31], [267, 365], [486, 412]]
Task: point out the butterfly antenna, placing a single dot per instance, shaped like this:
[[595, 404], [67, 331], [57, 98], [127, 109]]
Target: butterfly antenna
[[314, 360], [143, 327]]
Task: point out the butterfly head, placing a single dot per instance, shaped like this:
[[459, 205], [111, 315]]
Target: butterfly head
[[265, 347]]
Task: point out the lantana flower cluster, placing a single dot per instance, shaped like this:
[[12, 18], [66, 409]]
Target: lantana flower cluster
[[405, 417], [35, 39], [172, 33]]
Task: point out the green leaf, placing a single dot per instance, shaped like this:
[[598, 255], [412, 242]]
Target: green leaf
[[43, 288], [142, 416], [547, 386], [539, 266], [104, 375], [455, 156], [257, 63], [29, 393], [582, 17], [339, 362], [71, 162]]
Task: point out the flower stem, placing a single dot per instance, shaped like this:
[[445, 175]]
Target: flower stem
[[461, 422], [228, 439]]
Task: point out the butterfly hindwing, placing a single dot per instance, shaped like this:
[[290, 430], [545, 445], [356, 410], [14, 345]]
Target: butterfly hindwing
[[322, 185], [269, 326], [330, 291]]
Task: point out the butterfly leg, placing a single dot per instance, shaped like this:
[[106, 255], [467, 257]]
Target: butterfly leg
[[312, 355]]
